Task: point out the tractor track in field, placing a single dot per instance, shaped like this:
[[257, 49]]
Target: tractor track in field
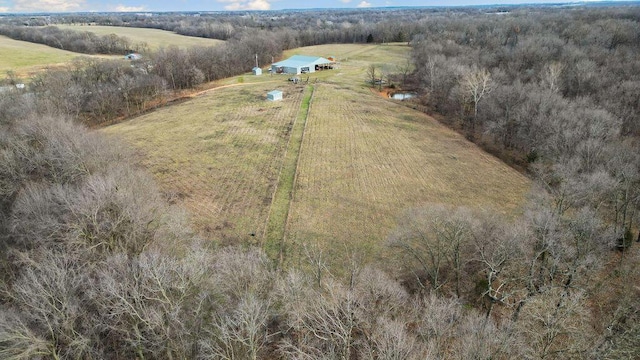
[[277, 222]]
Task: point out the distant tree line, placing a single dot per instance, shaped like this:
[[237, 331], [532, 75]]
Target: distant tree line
[[306, 27], [71, 40]]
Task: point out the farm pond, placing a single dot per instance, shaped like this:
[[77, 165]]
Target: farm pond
[[402, 95]]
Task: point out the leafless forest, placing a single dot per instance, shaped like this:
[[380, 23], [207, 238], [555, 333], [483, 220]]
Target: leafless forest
[[553, 91]]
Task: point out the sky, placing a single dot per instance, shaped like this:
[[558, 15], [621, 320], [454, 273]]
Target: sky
[[21, 6]]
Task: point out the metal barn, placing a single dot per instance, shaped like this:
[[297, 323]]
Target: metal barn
[[300, 64]]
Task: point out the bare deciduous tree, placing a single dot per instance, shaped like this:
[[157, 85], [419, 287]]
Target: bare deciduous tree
[[373, 74], [241, 334], [394, 342], [555, 326], [552, 76], [436, 238], [476, 84]]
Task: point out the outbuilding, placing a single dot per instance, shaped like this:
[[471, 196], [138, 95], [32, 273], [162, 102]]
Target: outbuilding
[[275, 95], [133, 56], [300, 64], [257, 71]]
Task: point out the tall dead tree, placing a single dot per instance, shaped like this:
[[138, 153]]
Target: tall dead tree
[[476, 85]]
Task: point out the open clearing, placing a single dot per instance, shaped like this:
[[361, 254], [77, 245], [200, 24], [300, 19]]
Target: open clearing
[[219, 155], [362, 165], [154, 38], [25, 58], [363, 160]]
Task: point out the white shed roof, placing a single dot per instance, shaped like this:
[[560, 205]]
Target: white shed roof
[[302, 61]]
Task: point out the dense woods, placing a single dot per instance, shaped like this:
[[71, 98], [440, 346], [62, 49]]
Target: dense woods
[[555, 92]]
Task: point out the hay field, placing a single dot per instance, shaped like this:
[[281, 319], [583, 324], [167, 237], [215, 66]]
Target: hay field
[[219, 155], [365, 160], [25, 58], [362, 162], [154, 38]]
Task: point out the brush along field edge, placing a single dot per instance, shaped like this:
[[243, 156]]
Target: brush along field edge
[[278, 218]]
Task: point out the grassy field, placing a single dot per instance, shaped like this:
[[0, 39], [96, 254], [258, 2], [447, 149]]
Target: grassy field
[[25, 58], [219, 155], [154, 38], [362, 161], [365, 160]]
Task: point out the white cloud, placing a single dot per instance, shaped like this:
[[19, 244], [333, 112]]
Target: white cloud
[[364, 4], [246, 5], [345, 1], [4, 9], [260, 5], [232, 7], [48, 5], [124, 8]]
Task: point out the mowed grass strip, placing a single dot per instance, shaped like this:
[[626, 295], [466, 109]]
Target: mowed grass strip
[[279, 213], [365, 160], [154, 38], [218, 155]]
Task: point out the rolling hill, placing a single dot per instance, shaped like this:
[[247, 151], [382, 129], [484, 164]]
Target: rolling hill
[[363, 160]]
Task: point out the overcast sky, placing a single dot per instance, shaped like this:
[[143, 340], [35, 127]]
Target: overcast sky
[[221, 5]]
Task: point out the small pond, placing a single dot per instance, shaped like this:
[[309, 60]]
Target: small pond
[[403, 95]]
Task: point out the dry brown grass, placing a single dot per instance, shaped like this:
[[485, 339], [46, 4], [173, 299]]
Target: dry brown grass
[[26, 59], [218, 155], [364, 160]]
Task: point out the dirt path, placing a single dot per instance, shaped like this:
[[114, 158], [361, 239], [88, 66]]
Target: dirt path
[[202, 92], [177, 98]]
